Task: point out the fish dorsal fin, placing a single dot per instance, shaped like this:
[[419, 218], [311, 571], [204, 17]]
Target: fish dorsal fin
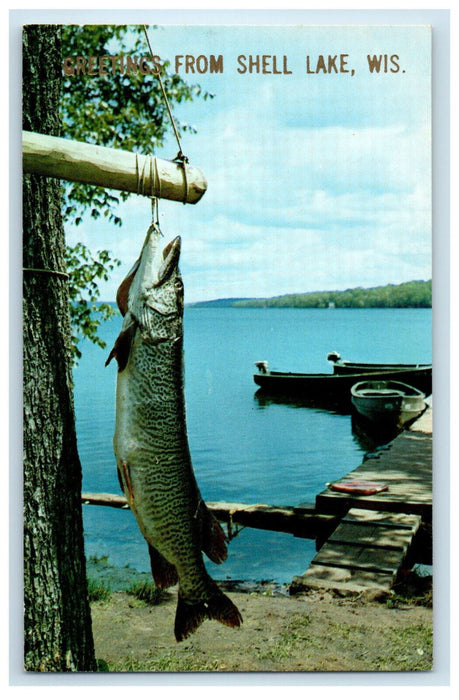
[[122, 294], [122, 347]]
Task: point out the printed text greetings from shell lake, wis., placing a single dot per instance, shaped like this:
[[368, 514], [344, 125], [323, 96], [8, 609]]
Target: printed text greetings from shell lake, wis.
[[254, 64]]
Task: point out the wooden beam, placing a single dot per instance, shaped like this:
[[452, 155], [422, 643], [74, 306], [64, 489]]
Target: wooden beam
[[104, 499], [304, 522], [112, 168], [301, 522]]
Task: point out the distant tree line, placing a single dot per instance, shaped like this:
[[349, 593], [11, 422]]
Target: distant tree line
[[415, 294]]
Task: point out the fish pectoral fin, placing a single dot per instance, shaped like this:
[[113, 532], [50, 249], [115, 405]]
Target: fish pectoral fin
[[164, 573], [120, 477], [213, 539], [124, 478], [122, 347], [218, 606], [122, 294]]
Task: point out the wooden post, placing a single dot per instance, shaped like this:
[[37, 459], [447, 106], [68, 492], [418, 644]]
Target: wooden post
[[111, 167]]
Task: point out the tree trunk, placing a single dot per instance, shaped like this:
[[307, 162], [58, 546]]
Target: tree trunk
[[57, 621]]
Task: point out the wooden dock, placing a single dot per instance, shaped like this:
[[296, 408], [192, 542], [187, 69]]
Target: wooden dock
[[365, 552], [376, 533]]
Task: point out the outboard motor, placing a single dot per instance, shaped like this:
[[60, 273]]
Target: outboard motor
[[333, 356]]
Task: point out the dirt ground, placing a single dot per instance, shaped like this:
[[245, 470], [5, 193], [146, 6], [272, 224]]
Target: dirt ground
[[313, 631]]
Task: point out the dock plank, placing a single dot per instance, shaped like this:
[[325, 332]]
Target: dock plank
[[358, 556], [365, 551], [388, 538], [342, 580]]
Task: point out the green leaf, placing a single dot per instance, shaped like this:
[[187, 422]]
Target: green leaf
[[86, 315]]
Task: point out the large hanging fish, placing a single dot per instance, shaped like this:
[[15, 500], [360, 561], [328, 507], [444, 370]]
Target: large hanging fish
[[150, 442]]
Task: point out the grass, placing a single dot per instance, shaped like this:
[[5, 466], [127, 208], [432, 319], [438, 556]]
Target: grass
[[400, 649], [94, 559], [146, 592], [172, 661], [401, 601], [408, 649], [294, 637], [413, 589], [97, 591]]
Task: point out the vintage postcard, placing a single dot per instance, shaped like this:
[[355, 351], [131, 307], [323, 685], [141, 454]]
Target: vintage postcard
[[227, 266]]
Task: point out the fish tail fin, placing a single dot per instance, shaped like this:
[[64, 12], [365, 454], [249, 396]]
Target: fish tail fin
[[217, 607], [222, 608]]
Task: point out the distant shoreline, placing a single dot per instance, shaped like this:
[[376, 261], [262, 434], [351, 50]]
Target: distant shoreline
[[408, 295]]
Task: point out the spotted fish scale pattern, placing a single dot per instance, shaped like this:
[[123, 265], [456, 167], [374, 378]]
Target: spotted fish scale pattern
[[150, 441]]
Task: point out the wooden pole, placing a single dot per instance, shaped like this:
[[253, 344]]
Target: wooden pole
[[112, 168]]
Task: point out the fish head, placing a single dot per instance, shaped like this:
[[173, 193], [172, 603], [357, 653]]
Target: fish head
[[151, 299], [154, 281], [160, 285]]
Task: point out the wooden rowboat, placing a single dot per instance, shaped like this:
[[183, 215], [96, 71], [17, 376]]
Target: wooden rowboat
[[387, 403]]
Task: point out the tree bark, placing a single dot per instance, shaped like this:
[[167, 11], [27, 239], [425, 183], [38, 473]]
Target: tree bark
[[57, 621]]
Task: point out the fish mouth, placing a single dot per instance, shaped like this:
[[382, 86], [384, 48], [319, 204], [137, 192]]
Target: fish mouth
[[170, 261]]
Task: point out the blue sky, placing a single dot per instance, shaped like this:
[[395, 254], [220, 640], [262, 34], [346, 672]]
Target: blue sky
[[315, 180]]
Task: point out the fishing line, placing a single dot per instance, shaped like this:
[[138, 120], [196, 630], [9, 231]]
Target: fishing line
[[179, 155], [155, 193], [155, 186], [181, 159]]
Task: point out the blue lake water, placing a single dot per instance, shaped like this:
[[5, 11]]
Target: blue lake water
[[244, 450]]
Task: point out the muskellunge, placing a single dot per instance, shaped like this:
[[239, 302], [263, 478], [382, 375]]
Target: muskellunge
[[151, 443]]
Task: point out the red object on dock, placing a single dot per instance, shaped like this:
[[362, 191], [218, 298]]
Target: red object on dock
[[364, 488]]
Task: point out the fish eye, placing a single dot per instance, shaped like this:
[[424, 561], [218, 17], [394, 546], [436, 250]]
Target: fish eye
[[178, 284]]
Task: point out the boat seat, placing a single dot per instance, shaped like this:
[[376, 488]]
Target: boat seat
[[381, 392]]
